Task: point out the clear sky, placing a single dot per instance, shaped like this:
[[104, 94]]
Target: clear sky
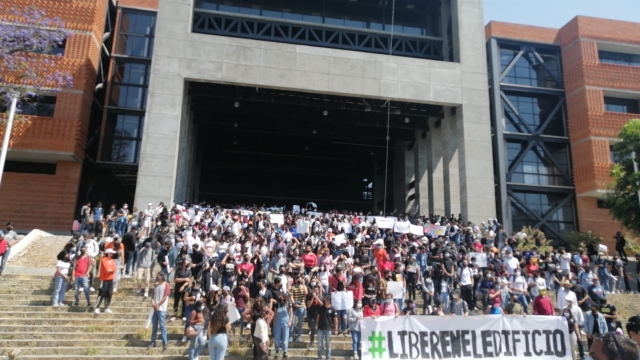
[[556, 13]]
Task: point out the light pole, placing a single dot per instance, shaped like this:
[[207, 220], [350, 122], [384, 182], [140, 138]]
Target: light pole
[[7, 134]]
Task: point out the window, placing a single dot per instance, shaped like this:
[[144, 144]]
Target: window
[[537, 167], [135, 37], [30, 167], [628, 106], [602, 204], [541, 204], [43, 106], [130, 83], [534, 111], [56, 49], [610, 57], [528, 70], [612, 152], [123, 136]]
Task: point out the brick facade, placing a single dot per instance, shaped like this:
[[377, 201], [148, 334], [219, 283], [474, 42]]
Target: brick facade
[[48, 202], [591, 128]]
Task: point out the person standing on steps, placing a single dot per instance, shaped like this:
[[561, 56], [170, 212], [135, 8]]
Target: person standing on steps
[[326, 320], [61, 280], [218, 331], [93, 250], [160, 302], [354, 316], [7, 240], [143, 271], [196, 321], [81, 274], [107, 274]]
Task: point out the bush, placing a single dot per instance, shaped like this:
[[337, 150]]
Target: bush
[[530, 238], [575, 241], [632, 247]]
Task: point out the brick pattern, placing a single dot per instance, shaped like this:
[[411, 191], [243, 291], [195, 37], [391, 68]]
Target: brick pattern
[[520, 32], [35, 201], [599, 221], [144, 4]]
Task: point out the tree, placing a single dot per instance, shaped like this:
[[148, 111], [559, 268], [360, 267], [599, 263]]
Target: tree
[[622, 201], [575, 241], [27, 36], [528, 238]]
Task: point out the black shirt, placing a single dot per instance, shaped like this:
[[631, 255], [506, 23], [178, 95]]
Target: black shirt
[[327, 318], [129, 241], [608, 309], [581, 292], [312, 311], [229, 269]]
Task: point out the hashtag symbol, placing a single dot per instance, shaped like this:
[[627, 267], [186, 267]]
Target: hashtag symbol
[[377, 347]]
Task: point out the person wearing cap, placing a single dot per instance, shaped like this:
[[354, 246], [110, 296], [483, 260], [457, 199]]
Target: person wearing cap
[[565, 293], [107, 274], [542, 303], [610, 313]]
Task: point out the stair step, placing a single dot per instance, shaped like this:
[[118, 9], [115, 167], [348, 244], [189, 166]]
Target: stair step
[[171, 350], [174, 343]]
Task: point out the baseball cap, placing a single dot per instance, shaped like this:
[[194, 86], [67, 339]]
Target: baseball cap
[[225, 288], [109, 251]]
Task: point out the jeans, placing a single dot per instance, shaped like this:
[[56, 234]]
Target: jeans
[[116, 277], [130, 258], [467, 295], [84, 283], [355, 339], [522, 299], [281, 337], [324, 335], [187, 314], [312, 327], [226, 281], [218, 346], [105, 293], [159, 318], [444, 301], [59, 290], [342, 320], [5, 257], [197, 343], [298, 315]]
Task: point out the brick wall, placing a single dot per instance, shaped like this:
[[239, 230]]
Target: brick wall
[[597, 220], [145, 4]]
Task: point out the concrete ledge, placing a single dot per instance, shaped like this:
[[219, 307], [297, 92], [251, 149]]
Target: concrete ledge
[[24, 243]]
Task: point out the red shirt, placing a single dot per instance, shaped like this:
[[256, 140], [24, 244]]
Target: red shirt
[[333, 282], [310, 260], [239, 295], [246, 266], [81, 266], [542, 306], [386, 265], [368, 311], [357, 291]]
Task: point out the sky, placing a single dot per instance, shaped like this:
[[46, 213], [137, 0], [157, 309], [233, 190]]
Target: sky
[[556, 13]]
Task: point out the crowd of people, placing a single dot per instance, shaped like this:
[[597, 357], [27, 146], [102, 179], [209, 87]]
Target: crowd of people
[[210, 260]]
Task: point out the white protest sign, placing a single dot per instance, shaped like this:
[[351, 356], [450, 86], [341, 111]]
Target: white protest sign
[[395, 288], [481, 259], [302, 226], [346, 226], [416, 230], [149, 318], [603, 248], [384, 223], [295, 209], [277, 219], [339, 239], [402, 227], [232, 313], [342, 300], [466, 338]]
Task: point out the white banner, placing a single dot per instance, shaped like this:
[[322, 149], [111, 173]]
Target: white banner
[[346, 226], [481, 259], [384, 223], [342, 300], [395, 288], [277, 219], [417, 230], [467, 338], [302, 226], [402, 227]]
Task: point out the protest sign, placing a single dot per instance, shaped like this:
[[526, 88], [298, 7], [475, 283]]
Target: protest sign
[[232, 313], [467, 338], [342, 300], [277, 219], [416, 230], [295, 209], [395, 288], [302, 226], [384, 223], [339, 239], [603, 248], [481, 259], [402, 227], [346, 226]]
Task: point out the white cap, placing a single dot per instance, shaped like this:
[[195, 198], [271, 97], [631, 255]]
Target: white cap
[[225, 288], [109, 251], [214, 288]]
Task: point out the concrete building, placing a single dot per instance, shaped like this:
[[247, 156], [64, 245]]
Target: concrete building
[[559, 99], [438, 63]]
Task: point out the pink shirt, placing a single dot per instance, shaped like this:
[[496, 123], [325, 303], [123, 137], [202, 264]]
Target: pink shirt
[[388, 309]]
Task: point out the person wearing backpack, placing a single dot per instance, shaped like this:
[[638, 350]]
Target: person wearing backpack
[[458, 306], [7, 240], [389, 307]]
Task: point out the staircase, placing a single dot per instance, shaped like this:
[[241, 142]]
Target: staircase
[[30, 328]]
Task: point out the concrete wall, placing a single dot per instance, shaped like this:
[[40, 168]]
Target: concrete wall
[[180, 56]]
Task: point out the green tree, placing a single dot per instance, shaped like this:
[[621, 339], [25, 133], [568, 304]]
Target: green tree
[[575, 241], [623, 199]]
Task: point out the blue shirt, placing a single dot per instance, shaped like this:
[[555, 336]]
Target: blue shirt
[[97, 213]]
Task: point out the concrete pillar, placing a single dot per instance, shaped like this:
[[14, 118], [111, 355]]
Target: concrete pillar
[[399, 184], [435, 173], [450, 154], [473, 122], [409, 177], [378, 187], [421, 171], [186, 158]]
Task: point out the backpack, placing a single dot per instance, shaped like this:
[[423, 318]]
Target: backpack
[[3, 246], [340, 286]]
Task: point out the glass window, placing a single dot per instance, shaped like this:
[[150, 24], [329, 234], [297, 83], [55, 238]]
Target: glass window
[[44, 106], [137, 23], [123, 136], [530, 71], [541, 204], [133, 45], [610, 57], [130, 82], [135, 37], [131, 73], [612, 153], [132, 97], [628, 106], [534, 111], [537, 168]]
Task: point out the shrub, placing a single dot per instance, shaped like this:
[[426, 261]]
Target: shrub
[[575, 241], [530, 238]]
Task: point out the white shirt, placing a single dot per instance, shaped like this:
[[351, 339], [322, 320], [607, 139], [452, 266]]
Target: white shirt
[[539, 283], [465, 276], [577, 314], [565, 261], [562, 294], [518, 283], [63, 267], [512, 264]]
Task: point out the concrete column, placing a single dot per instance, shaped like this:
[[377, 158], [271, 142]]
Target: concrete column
[[421, 171], [378, 187], [450, 168], [399, 180], [473, 122], [435, 173], [409, 177]]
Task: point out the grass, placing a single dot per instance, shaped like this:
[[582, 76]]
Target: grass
[[91, 352], [97, 328], [142, 334], [236, 348], [175, 330]]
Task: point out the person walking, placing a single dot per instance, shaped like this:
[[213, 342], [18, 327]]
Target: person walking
[[326, 320], [160, 302], [93, 250], [354, 315], [107, 274], [218, 331], [7, 240], [594, 324], [61, 281], [81, 275], [196, 321], [621, 242], [143, 271], [298, 293], [284, 317]]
